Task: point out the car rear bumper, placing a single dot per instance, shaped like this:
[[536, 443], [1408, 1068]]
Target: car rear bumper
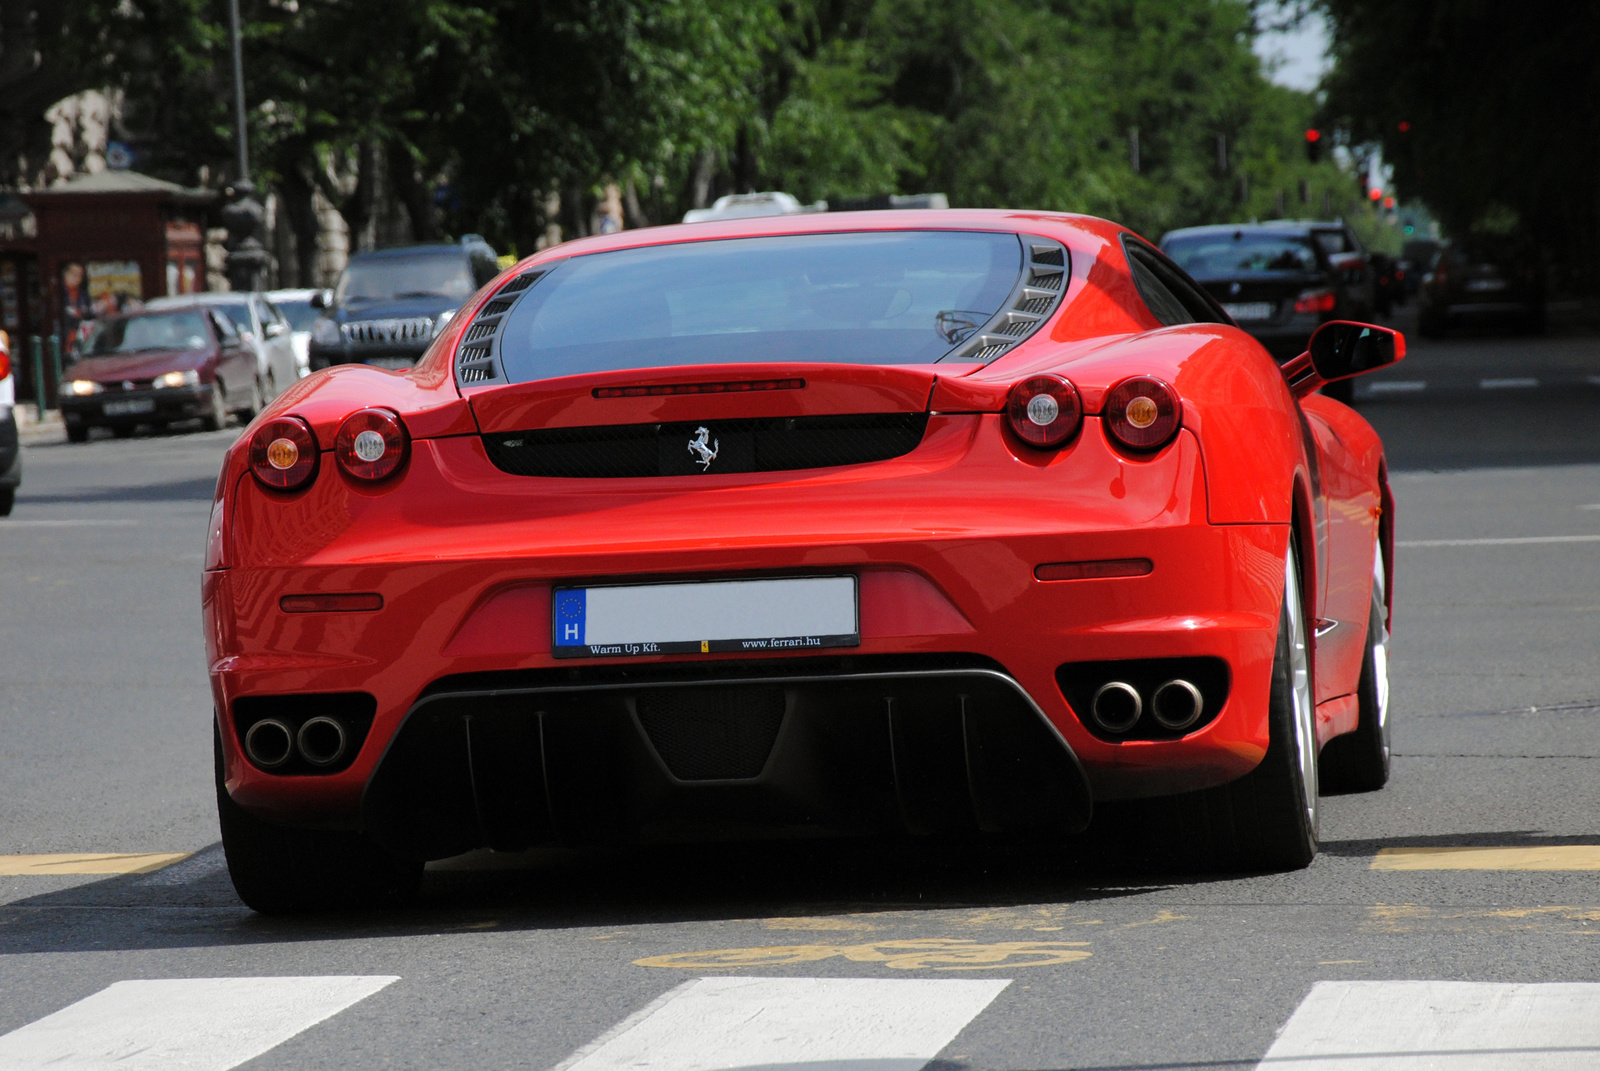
[[945, 542], [149, 406], [393, 354]]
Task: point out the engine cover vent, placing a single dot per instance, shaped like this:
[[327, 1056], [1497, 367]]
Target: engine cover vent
[[1032, 303], [476, 361]]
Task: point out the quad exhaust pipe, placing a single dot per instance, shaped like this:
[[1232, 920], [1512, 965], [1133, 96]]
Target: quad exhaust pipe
[[271, 742], [1175, 705]]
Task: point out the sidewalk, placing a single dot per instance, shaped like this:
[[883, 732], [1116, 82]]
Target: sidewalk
[[30, 429]]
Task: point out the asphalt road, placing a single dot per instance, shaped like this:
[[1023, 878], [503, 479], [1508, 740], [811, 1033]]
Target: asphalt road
[[880, 958]]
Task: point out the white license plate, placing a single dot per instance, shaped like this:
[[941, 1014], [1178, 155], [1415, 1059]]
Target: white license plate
[[131, 407], [1478, 286], [714, 617], [1250, 310], [393, 364]]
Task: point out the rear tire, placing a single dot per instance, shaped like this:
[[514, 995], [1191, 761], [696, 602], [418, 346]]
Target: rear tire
[[280, 870], [1266, 820], [77, 433], [253, 404], [1359, 761], [8, 500]]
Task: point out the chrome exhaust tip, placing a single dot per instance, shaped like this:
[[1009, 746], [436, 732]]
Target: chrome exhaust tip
[[269, 743], [1176, 705], [322, 741], [1116, 706]]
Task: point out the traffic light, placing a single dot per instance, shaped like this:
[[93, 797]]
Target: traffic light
[[1375, 195], [1314, 145]]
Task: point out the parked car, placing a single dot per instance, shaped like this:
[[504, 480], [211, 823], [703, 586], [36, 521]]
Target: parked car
[[158, 367], [1278, 280], [296, 307], [1417, 257], [390, 305], [1482, 280], [10, 448], [801, 525], [262, 327]]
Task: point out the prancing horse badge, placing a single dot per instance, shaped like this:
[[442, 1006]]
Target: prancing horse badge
[[705, 453]]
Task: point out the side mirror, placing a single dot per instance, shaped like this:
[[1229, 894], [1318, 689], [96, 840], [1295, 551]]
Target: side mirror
[[1341, 349], [321, 299], [274, 329]]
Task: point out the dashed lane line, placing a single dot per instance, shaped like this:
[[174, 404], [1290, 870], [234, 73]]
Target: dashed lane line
[[1397, 386], [1441, 1026], [85, 522], [185, 1024], [1543, 857], [1508, 383], [1515, 541], [12, 866], [819, 1024]]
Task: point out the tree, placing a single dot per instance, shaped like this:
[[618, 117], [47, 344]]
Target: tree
[[1486, 117]]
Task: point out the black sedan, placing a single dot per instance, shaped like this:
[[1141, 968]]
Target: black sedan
[[1482, 281], [1278, 280]]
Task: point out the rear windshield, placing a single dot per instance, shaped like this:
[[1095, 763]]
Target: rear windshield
[[1208, 256], [299, 313], [423, 275], [157, 331], [903, 297]]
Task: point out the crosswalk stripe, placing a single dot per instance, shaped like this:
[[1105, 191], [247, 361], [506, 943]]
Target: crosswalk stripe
[[1441, 1026], [184, 1024], [1542, 857], [824, 1024], [14, 866]]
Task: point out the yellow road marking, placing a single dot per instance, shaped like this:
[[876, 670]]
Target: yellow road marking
[[12, 866], [1546, 857], [935, 953]]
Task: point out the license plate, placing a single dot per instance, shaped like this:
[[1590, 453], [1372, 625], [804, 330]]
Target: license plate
[[131, 407], [1480, 285], [393, 364], [714, 617], [1250, 310]]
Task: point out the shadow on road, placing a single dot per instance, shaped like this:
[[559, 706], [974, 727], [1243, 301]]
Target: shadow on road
[[193, 490]]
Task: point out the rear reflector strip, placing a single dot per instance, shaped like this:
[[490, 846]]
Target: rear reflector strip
[[331, 604], [1094, 570], [740, 387]]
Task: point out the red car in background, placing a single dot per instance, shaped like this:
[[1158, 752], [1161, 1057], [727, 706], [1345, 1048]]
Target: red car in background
[[932, 522], [157, 368]]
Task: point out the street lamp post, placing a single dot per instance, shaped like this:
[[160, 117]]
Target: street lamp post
[[243, 214]]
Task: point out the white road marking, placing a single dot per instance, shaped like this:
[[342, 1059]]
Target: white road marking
[[183, 1024], [822, 1024], [1513, 542], [1594, 381], [1396, 386], [13, 522], [1592, 505], [1441, 1026], [1511, 382]]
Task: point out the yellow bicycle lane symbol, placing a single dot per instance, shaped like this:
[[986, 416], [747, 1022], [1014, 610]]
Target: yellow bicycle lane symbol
[[935, 953]]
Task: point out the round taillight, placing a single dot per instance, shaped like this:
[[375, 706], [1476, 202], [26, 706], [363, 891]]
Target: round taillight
[[283, 454], [1044, 411], [1142, 413], [371, 444]]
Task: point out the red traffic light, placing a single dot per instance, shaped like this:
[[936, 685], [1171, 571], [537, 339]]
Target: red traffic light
[[1404, 127], [1313, 135], [1375, 193]]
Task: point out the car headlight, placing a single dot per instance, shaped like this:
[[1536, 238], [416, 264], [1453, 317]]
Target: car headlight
[[325, 333], [190, 378], [81, 386], [441, 321]]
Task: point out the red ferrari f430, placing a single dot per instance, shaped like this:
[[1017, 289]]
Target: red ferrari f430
[[946, 522]]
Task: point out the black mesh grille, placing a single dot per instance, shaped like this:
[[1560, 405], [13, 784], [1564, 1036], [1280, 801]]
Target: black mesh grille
[[720, 734], [771, 445]]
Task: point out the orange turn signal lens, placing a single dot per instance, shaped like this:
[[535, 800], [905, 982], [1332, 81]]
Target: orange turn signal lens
[[1142, 413], [1100, 570], [363, 602], [283, 454]]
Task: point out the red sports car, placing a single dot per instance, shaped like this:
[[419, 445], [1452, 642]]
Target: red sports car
[[933, 522]]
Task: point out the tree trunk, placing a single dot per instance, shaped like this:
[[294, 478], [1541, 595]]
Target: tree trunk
[[295, 194], [413, 193]]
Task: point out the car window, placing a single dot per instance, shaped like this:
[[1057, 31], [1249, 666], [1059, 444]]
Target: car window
[[226, 329], [1167, 282], [1224, 255], [1163, 303], [159, 331], [237, 311], [1335, 242], [426, 275], [299, 313], [880, 298]]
